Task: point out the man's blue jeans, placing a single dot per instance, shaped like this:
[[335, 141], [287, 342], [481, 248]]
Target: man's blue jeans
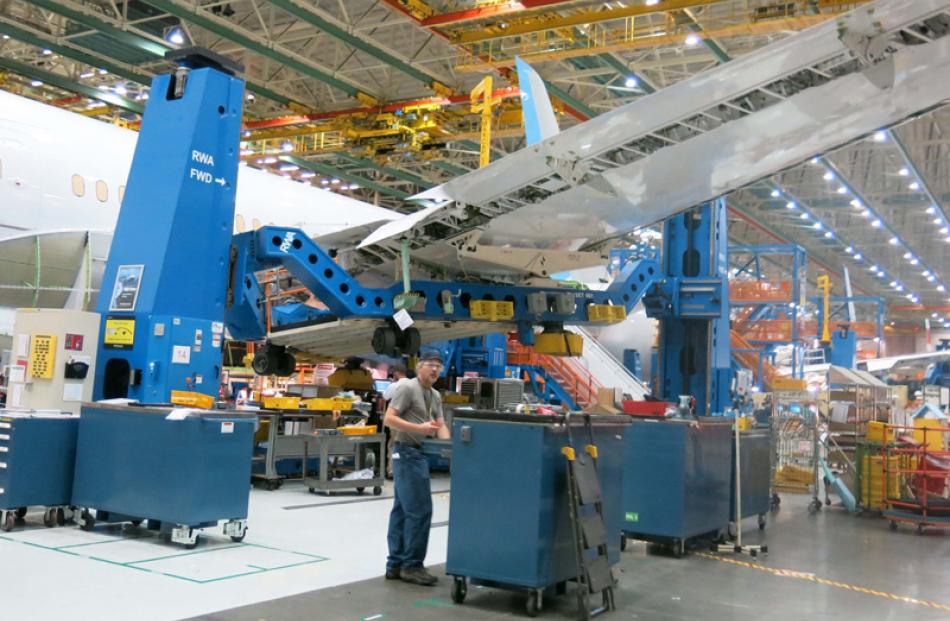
[[411, 516]]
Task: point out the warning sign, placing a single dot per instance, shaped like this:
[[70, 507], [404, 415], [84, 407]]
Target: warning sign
[[120, 333]]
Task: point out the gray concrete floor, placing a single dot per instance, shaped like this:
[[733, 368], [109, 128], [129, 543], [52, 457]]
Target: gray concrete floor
[[831, 546]]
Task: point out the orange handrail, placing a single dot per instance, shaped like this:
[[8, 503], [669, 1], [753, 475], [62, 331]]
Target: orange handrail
[[572, 376], [750, 360]]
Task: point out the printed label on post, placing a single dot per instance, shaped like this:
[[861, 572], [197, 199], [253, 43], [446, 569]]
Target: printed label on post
[[227, 427], [403, 319]]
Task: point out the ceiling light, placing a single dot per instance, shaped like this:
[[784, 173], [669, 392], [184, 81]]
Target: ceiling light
[[849, 250], [47, 52], [914, 186], [944, 230], [6, 37], [873, 268], [856, 203], [324, 182], [631, 82], [246, 133], [103, 72], [87, 74], [815, 160], [894, 241], [858, 257], [900, 288], [914, 261], [692, 39], [903, 172], [828, 234], [842, 190], [287, 146], [120, 89], [907, 255], [828, 176], [652, 2], [931, 278], [866, 213], [176, 36], [880, 136], [246, 151], [334, 181], [790, 205], [804, 216], [817, 226], [307, 174], [36, 83], [941, 288], [876, 224], [925, 273], [288, 167], [938, 220], [932, 210], [774, 193], [893, 283], [269, 160]]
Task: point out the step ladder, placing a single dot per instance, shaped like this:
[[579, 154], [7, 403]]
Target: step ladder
[[594, 574]]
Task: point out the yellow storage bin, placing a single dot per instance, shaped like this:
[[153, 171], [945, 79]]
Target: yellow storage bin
[[331, 404], [281, 403], [872, 480], [877, 431], [364, 430], [492, 310], [606, 312], [192, 399]]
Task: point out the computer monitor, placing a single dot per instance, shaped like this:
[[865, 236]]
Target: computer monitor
[[381, 385]]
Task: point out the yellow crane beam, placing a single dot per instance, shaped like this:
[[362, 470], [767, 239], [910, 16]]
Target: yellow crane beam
[[626, 39]]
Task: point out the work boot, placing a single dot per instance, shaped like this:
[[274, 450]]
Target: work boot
[[392, 573], [417, 575]]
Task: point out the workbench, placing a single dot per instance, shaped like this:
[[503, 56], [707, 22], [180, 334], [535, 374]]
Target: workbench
[[327, 445]]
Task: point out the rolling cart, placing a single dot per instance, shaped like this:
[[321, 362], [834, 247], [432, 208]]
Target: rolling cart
[[37, 452]]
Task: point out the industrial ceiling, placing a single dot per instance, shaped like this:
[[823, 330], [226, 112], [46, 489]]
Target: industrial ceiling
[[373, 96]]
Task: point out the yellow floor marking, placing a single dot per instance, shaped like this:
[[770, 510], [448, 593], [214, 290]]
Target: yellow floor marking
[[801, 575]]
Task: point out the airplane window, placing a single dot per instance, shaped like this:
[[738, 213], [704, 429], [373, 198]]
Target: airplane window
[[121, 193], [79, 185], [102, 191], [257, 223], [239, 223]]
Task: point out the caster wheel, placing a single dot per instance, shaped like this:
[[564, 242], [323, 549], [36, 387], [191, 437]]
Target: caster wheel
[[86, 521], [136, 522], [533, 605], [21, 513], [49, 518], [920, 529], [193, 545], [679, 548], [9, 519], [776, 501], [377, 490], [312, 490], [893, 525], [61, 517], [360, 490], [623, 543], [764, 549], [238, 539], [153, 524], [271, 485], [761, 522], [459, 590]]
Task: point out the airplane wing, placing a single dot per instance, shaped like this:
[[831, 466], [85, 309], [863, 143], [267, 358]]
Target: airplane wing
[[903, 364], [695, 140]]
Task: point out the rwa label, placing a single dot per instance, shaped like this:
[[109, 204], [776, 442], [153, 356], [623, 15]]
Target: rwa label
[[203, 176]]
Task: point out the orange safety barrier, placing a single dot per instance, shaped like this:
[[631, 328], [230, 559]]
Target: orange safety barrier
[[759, 291], [778, 330], [568, 372]]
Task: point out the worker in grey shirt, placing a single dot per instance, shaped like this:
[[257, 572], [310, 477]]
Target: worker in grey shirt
[[414, 414]]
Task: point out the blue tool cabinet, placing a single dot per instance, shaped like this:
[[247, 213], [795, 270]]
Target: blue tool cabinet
[[37, 452], [677, 480], [133, 463], [509, 522]]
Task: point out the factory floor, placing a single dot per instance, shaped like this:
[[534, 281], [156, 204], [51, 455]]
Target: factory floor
[[316, 557]]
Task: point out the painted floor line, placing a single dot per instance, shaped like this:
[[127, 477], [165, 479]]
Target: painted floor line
[[809, 577]]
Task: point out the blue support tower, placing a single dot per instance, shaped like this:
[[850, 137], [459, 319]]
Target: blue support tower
[[692, 305], [165, 285]]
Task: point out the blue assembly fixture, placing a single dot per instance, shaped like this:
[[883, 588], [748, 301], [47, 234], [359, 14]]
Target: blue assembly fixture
[[676, 480], [37, 451], [691, 303], [142, 463], [165, 283], [509, 517], [843, 348]]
